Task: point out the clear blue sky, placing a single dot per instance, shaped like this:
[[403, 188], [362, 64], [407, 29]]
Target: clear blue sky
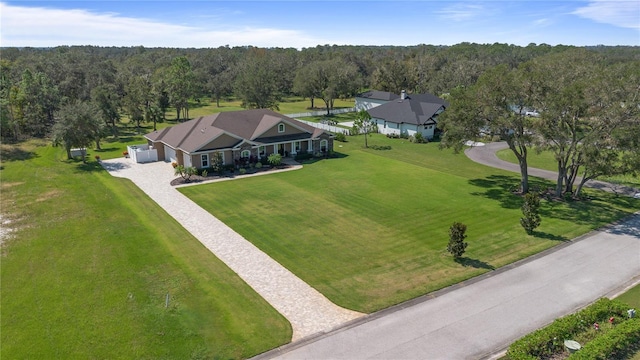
[[301, 24]]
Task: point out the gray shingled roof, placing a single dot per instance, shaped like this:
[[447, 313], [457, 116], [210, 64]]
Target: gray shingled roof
[[417, 109], [379, 95], [192, 135]]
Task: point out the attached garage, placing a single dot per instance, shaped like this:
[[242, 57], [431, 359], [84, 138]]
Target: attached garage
[[170, 154]]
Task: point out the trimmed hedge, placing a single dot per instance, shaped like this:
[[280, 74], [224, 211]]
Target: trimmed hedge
[[618, 342], [303, 156], [549, 340]]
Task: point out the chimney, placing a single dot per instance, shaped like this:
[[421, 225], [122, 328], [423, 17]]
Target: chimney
[[403, 94]]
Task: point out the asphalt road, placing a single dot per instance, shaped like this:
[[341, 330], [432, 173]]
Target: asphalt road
[[479, 318], [486, 155]]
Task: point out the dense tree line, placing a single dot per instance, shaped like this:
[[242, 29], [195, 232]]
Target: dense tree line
[[40, 87]]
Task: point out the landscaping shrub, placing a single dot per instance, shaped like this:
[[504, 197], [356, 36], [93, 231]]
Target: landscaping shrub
[[418, 138], [242, 171], [341, 137], [185, 172], [303, 156], [457, 235], [620, 341], [205, 173], [393, 136], [380, 147], [549, 340], [530, 210], [275, 159], [258, 165]]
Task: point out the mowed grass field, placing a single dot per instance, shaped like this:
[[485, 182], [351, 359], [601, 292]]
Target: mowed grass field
[[545, 160], [369, 229], [289, 105], [88, 265]]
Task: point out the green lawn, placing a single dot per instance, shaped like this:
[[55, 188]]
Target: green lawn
[[291, 105], [631, 297], [369, 229], [91, 260], [545, 160]]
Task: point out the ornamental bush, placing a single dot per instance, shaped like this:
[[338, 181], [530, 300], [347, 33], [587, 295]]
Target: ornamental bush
[[303, 156], [549, 340], [275, 159], [620, 341], [457, 235], [531, 219]]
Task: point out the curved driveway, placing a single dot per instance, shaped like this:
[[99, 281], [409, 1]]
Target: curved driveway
[[486, 155], [481, 317]]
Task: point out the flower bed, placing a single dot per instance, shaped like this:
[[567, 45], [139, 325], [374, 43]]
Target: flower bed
[[227, 174], [548, 342]]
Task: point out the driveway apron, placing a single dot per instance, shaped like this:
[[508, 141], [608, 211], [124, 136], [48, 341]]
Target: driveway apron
[[308, 311]]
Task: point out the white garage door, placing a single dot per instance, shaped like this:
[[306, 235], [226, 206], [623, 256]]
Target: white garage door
[[170, 154]]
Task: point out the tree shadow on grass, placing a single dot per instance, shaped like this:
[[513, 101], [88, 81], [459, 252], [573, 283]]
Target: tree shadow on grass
[[16, 154], [474, 263], [501, 188], [121, 139], [89, 166], [106, 149], [584, 212], [544, 235], [505, 189]]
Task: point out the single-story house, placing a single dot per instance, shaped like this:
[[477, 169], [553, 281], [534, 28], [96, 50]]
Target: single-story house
[[372, 98], [406, 114], [238, 136]]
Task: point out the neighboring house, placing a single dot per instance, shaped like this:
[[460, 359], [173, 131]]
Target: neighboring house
[[238, 136], [405, 114], [370, 99]]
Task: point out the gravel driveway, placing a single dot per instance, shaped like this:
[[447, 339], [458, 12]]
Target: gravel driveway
[[308, 311]]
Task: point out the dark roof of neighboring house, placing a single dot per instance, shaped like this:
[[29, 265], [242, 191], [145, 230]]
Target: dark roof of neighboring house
[[192, 135], [418, 109], [379, 95]]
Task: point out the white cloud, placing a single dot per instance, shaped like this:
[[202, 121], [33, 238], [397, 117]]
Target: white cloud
[[47, 27], [625, 13], [542, 22], [461, 12]]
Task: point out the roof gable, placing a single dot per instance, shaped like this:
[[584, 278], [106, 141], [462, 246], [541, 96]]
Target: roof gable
[[417, 109], [378, 95], [193, 135]]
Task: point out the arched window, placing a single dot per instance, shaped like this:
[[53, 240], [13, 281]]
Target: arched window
[[245, 154], [280, 128], [324, 145]]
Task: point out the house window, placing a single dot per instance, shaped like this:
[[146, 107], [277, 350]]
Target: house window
[[296, 146], [245, 154], [324, 144], [262, 151], [280, 128], [204, 160]]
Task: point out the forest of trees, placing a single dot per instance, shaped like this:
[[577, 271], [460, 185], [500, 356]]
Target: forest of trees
[[589, 95]]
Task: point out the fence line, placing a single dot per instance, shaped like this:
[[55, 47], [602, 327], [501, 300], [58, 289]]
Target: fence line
[[332, 128], [321, 112]]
